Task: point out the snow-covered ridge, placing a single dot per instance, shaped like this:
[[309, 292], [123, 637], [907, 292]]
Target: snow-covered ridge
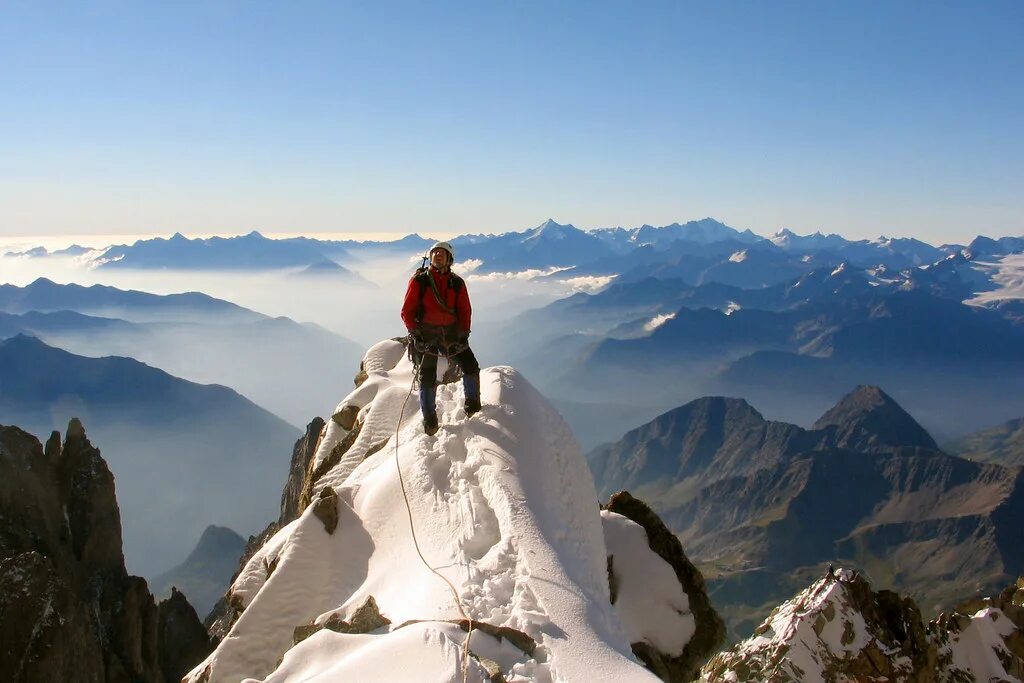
[[838, 629], [503, 506]]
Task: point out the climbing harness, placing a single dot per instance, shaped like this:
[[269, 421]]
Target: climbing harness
[[412, 527]]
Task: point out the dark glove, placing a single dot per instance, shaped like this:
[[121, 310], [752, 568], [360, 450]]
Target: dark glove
[[416, 338], [463, 338]]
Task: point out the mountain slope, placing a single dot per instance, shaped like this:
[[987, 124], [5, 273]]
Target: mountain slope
[[760, 503], [1003, 444], [206, 572], [501, 505], [173, 445], [46, 296], [290, 368], [839, 629]]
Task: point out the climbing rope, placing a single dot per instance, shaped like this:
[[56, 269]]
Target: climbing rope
[[412, 527]]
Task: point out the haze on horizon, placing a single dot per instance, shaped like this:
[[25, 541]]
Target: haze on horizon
[[899, 119]]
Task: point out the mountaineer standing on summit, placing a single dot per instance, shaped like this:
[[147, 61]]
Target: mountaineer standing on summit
[[437, 314]]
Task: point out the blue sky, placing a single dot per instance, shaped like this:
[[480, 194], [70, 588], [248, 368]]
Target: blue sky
[[864, 118]]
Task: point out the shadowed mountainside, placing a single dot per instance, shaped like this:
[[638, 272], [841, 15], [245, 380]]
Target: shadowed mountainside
[[177, 448], [761, 505]]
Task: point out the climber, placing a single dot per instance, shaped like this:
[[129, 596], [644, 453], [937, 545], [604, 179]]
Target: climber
[[437, 314]]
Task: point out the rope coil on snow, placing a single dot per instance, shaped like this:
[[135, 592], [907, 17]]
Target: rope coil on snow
[[412, 529]]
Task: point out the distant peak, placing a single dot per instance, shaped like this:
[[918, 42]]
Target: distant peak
[[22, 340], [255, 234], [213, 542], [551, 223], [43, 282], [868, 414], [720, 405], [178, 237]]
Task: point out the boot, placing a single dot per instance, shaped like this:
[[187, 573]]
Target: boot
[[428, 406], [471, 385]]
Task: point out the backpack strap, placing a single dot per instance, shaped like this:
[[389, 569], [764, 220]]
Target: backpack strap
[[424, 280]]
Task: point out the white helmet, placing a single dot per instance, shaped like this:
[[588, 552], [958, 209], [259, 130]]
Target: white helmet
[[447, 247]]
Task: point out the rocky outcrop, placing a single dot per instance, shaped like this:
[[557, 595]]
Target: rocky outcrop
[[839, 629], [182, 638], [366, 619], [68, 608], [986, 630], [298, 472], [709, 631]]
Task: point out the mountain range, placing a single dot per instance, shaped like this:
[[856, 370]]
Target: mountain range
[[680, 249], [175, 447], [761, 505], [795, 346], [291, 369]]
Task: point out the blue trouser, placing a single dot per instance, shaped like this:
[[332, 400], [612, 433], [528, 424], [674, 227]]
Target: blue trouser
[[428, 379]]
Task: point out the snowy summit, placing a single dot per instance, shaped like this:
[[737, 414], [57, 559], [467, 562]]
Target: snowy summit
[[503, 508]]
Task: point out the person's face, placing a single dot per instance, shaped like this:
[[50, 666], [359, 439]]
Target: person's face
[[439, 259]]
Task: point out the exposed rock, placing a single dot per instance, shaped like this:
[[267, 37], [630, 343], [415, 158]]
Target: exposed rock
[[68, 608], [613, 582], [346, 417], [46, 630], [332, 459], [326, 509], [182, 638], [992, 623], [838, 629], [710, 630], [514, 636], [361, 376], [302, 456], [493, 669], [366, 619]]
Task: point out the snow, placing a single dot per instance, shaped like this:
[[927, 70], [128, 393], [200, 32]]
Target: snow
[[803, 635], [504, 507], [975, 649], [651, 602], [1007, 275], [657, 321], [738, 256]]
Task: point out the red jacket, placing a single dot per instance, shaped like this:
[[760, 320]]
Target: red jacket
[[454, 297]]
